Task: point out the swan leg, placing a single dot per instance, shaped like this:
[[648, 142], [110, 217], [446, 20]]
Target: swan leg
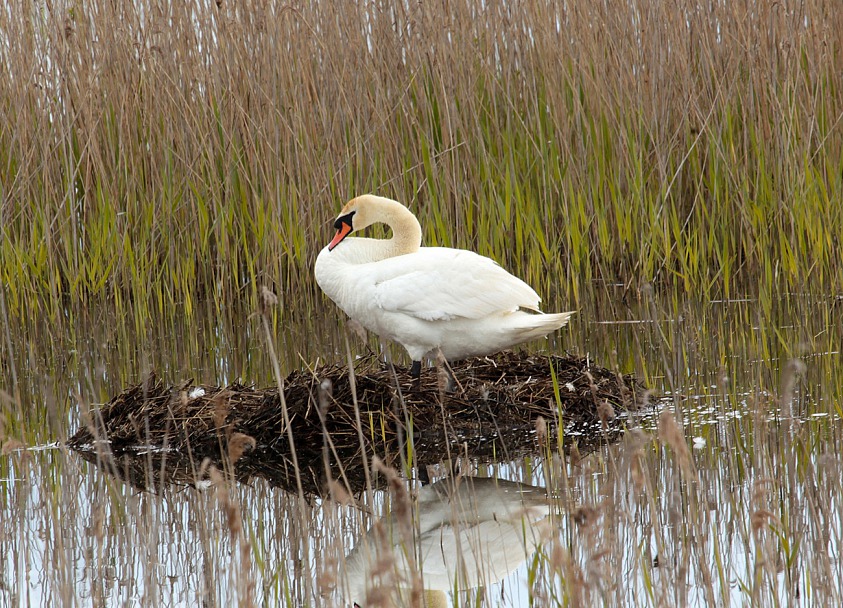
[[415, 370], [451, 384]]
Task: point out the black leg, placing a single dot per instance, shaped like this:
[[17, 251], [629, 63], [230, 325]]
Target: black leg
[[451, 386], [415, 370]]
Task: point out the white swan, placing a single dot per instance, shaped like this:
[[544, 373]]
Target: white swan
[[427, 299], [459, 533]]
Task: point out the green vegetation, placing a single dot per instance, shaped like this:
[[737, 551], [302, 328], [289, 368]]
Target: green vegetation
[[751, 515], [155, 158], [672, 170]]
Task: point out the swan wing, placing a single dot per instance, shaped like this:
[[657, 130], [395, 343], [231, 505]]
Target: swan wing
[[480, 554], [437, 283]]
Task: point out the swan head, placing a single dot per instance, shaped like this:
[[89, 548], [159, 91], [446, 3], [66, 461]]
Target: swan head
[[344, 226], [357, 214], [365, 210]]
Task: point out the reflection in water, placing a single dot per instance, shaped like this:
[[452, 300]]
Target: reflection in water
[[757, 521], [458, 533]]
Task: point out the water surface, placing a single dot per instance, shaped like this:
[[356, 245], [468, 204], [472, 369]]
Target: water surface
[[753, 514]]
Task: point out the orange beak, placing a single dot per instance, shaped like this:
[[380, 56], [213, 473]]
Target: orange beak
[[340, 235]]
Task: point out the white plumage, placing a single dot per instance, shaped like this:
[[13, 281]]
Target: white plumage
[[426, 298], [460, 533]]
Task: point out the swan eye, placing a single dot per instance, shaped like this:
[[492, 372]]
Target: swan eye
[[344, 219]]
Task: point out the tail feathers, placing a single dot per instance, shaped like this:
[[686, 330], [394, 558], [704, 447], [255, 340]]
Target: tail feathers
[[538, 326]]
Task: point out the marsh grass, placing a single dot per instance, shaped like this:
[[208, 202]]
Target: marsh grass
[[749, 518], [172, 161], [152, 156]]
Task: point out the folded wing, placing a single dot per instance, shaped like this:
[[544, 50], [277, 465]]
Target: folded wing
[[438, 283]]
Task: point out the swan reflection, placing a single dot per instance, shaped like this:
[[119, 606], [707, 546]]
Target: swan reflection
[[458, 533]]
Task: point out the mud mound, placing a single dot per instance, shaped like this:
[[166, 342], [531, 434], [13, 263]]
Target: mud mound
[[152, 434]]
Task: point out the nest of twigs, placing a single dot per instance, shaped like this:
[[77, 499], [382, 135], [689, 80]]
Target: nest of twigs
[[152, 434]]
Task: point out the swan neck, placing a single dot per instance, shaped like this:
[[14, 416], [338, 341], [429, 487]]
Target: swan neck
[[406, 230]]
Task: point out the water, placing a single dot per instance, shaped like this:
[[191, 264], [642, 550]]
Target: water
[[754, 515]]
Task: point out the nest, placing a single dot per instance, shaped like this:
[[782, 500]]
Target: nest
[[506, 406]]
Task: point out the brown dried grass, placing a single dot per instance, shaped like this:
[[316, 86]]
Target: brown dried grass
[[153, 154], [243, 428]]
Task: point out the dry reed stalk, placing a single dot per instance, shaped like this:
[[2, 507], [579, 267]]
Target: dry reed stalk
[[671, 434], [245, 583], [162, 154]]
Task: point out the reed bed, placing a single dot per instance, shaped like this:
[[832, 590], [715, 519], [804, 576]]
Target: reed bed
[[749, 517], [161, 164], [151, 154]]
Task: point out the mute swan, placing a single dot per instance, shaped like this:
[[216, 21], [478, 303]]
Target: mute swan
[[425, 298], [460, 533]]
